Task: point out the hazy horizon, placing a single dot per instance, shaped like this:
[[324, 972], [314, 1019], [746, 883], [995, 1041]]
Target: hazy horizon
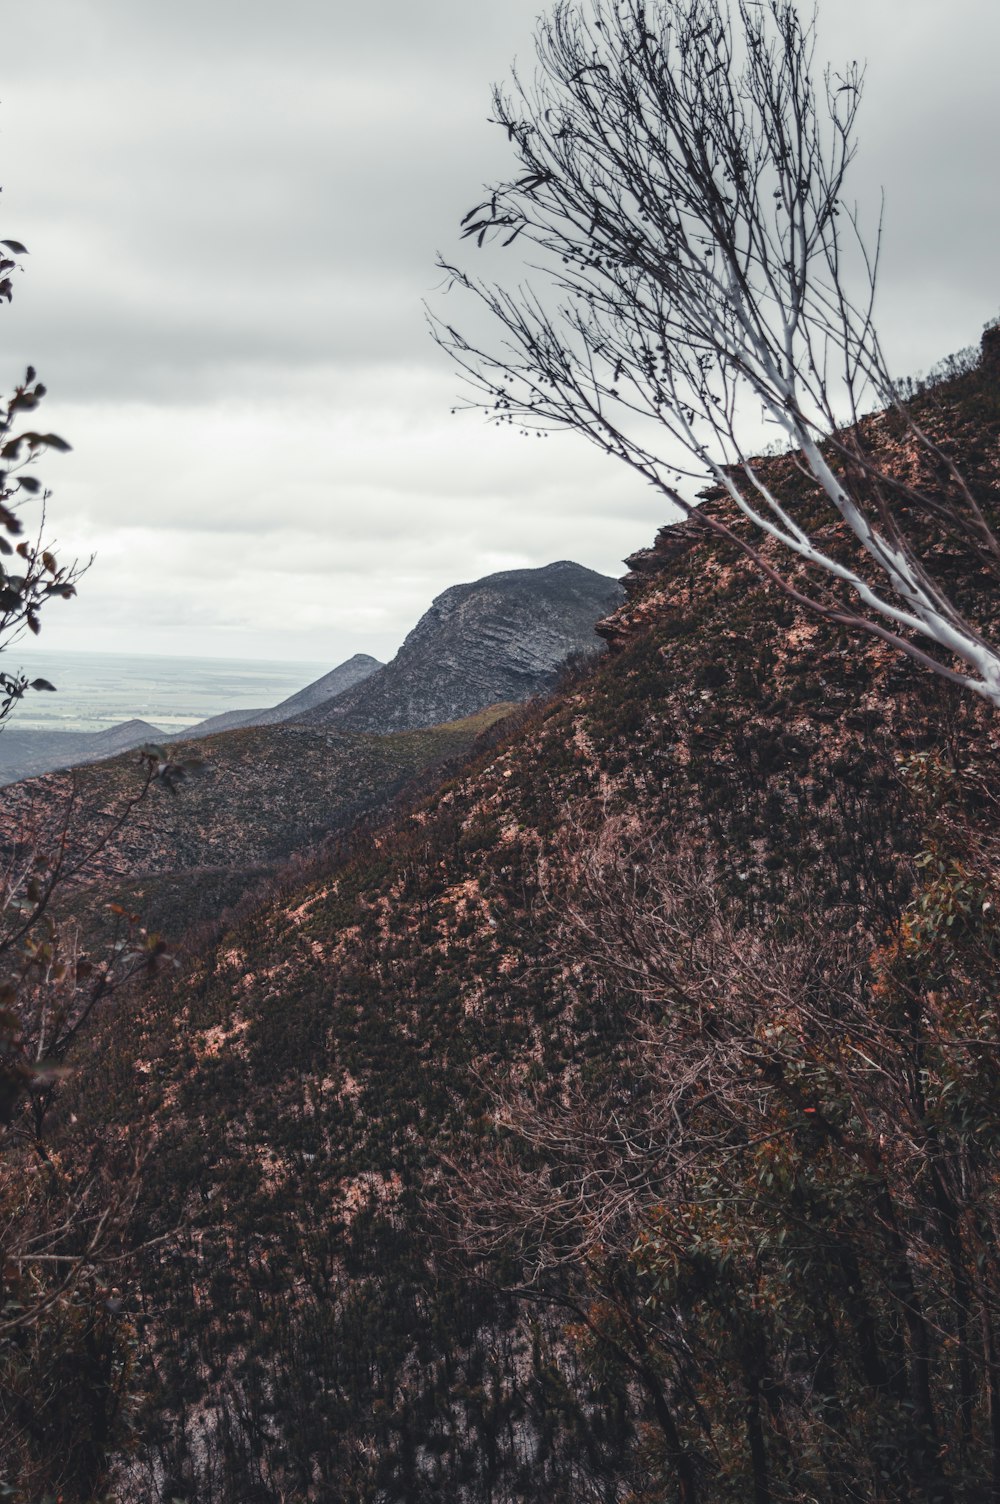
[[97, 690]]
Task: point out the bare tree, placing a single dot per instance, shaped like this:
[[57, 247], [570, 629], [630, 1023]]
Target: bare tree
[[64, 1211], [682, 182]]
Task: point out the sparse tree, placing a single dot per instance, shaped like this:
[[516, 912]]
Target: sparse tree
[[682, 183], [33, 575]]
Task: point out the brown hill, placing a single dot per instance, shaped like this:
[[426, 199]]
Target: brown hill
[[260, 794], [619, 1125]]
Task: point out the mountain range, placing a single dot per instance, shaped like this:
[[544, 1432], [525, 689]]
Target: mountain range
[[327, 687], [276, 782], [500, 639]]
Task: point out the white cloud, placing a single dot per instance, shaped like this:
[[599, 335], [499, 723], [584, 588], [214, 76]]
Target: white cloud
[[232, 212]]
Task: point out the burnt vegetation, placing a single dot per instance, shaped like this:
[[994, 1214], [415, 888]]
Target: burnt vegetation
[[618, 1123], [613, 1117]]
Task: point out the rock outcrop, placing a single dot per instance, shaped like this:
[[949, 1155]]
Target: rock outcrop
[[501, 638]]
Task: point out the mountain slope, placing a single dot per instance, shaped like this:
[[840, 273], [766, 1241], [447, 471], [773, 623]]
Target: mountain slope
[[304, 770], [262, 794], [25, 754], [353, 671], [599, 1130], [501, 638]]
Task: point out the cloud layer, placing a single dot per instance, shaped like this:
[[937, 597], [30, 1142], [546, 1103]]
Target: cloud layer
[[232, 212]]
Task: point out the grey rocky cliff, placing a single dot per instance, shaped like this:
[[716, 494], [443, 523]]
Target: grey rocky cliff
[[502, 638]]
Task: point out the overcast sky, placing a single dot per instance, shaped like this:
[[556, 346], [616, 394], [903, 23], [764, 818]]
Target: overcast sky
[[232, 210]]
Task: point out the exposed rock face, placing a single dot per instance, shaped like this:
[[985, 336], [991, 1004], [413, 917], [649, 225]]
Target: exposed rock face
[[500, 638], [339, 679], [991, 348]]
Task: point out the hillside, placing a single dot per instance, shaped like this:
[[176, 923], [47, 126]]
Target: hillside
[[501, 638], [620, 1124], [26, 754], [273, 783], [260, 795]]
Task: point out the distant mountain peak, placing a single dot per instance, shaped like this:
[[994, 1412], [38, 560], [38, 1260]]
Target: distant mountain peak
[[328, 686], [499, 638]]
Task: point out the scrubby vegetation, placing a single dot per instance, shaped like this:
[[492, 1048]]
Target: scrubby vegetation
[[618, 1123], [256, 798]]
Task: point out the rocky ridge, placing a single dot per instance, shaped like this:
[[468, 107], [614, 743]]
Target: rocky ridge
[[501, 638], [353, 671]]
